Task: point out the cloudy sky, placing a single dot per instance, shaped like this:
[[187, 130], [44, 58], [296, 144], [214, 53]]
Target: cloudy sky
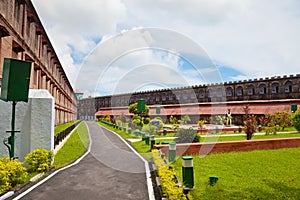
[[105, 45]]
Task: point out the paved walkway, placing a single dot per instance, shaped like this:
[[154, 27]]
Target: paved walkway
[[110, 171]]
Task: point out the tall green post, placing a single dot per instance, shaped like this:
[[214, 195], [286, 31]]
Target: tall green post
[[188, 171], [152, 141], [12, 139], [172, 151], [294, 108]]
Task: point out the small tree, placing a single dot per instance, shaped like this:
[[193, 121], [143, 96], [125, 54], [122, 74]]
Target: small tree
[[296, 120], [173, 120], [201, 124], [250, 123], [133, 108], [275, 121]]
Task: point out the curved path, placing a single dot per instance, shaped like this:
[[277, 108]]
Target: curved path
[[110, 171]]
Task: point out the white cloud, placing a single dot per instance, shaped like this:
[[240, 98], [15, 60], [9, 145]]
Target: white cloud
[[256, 37]]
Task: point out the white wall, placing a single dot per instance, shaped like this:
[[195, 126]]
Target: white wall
[[35, 120]]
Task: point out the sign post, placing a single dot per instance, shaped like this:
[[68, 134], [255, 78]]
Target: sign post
[[15, 87]]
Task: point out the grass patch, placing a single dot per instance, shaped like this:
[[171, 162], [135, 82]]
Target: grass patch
[[267, 174], [170, 134], [75, 147], [120, 132], [256, 137], [61, 127]]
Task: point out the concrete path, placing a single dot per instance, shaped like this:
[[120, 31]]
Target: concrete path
[[110, 171]]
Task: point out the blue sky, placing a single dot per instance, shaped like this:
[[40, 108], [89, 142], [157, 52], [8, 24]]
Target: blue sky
[[243, 38]]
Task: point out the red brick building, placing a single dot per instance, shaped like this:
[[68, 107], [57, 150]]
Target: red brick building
[[264, 95], [22, 36]]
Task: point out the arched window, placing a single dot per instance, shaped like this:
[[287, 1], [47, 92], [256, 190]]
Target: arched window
[[209, 93], [288, 87], [157, 98], [163, 97], [170, 97], [201, 94], [219, 92], [239, 91], [262, 89], [275, 88], [250, 90], [229, 92]]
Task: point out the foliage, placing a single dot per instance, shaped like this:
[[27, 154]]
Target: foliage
[[296, 120], [186, 119], [74, 147], [266, 174], [106, 117], [161, 123], [146, 120], [12, 173], [39, 160], [276, 121], [170, 188], [153, 129], [220, 119], [150, 129], [173, 120], [187, 136], [133, 108], [136, 122], [250, 126], [119, 122], [250, 123], [201, 123]]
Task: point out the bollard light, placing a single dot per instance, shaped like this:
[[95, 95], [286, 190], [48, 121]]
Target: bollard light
[[172, 151], [188, 171], [152, 140], [213, 180]]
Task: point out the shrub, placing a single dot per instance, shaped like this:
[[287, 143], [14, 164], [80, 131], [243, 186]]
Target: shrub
[[167, 174], [161, 123], [277, 121], [150, 129], [187, 136], [39, 160], [12, 173], [250, 125], [173, 120], [296, 120]]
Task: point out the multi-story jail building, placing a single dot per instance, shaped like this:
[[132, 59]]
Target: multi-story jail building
[[22, 36], [264, 95]]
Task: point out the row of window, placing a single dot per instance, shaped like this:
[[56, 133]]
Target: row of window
[[262, 89]]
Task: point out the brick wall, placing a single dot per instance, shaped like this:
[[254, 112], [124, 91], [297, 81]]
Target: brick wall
[[220, 147]]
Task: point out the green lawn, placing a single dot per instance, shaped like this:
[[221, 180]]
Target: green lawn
[[120, 132], [236, 138], [61, 127], [271, 174], [75, 147]]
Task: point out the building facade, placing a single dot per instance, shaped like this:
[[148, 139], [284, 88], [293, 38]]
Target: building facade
[[264, 95], [22, 36], [274, 88]]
